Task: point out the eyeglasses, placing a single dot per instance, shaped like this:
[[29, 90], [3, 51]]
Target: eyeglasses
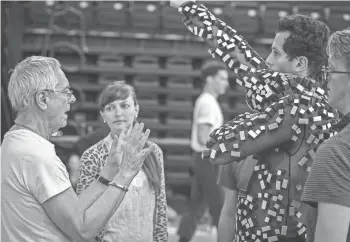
[[325, 70], [68, 92]]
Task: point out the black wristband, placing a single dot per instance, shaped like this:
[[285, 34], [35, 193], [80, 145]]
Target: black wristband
[[102, 180]]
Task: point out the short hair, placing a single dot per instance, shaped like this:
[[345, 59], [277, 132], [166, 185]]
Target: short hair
[[33, 74], [339, 45], [211, 68], [308, 38], [117, 90]]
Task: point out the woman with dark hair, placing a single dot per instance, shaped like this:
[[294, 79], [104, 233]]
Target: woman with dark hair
[[142, 215]]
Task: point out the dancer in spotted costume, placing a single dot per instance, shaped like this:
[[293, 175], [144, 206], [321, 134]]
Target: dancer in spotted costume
[[291, 119]]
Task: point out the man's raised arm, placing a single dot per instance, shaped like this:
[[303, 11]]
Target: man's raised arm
[[222, 40]]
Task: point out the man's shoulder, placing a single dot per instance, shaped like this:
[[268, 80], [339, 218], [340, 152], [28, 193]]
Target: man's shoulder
[[341, 142], [205, 98], [343, 136], [206, 102]]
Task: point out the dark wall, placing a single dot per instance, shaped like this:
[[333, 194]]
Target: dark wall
[[12, 27]]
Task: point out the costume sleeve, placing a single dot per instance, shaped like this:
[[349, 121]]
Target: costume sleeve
[[161, 223]]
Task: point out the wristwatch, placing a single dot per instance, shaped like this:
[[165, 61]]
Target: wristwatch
[[109, 183], [103, 180]]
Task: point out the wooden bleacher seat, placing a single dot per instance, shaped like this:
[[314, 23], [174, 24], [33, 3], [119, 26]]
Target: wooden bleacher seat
[[69, 62], [177, 163], [218, 8], [339, 17], [32, 43], [224, 105], [88, 10], [176, 82], [177, 178], [177, 166], [192, 47], [245, 24], [112, 15], [78, 92], [107, 79], [149, 118], [273, 12], [145, 100], [151, 121], [310, 9], [145, 16], [214, 4], [179, 123], [184, 119], [145, 81], [179, 101], [150, 46], [179, 63], [172, 21], [111, 61], [147, 62], [36, 14], [78, 15]]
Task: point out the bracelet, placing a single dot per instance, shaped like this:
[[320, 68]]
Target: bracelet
[[125, 189], [103, 180]]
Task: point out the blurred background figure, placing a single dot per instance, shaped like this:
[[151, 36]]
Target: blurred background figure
[[207, 116]]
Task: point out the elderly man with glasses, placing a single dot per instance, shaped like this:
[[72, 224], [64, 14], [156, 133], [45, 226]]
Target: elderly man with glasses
[[38, 202], [327, 188]]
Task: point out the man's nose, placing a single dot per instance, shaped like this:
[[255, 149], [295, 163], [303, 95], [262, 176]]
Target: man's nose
[[268, 60], [72, 99]]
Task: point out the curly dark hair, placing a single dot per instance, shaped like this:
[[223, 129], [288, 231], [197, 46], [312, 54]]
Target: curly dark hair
[[308, 38]]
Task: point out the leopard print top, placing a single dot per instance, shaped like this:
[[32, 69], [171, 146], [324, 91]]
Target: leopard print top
[[92, 160]]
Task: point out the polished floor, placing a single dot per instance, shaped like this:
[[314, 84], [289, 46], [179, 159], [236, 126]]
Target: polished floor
[[204, 233], [201, 235]]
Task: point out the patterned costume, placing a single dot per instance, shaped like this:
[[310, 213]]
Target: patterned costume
[[285, 105]]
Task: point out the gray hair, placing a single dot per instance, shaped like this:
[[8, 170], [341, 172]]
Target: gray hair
[[33, 74], [339, 45]]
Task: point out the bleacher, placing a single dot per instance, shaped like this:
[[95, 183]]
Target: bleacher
[[146, 44]]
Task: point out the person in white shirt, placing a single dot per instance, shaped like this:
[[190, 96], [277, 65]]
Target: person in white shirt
[[207, 116], [38, 201]]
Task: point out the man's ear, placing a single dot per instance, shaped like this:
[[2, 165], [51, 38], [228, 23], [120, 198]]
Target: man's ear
[[301, 64], [42, 100]]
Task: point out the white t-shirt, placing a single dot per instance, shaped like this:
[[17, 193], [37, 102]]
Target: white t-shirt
[[206, 111], [31, 173]]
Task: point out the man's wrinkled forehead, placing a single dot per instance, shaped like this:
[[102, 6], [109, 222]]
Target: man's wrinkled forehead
[[63, 82]]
